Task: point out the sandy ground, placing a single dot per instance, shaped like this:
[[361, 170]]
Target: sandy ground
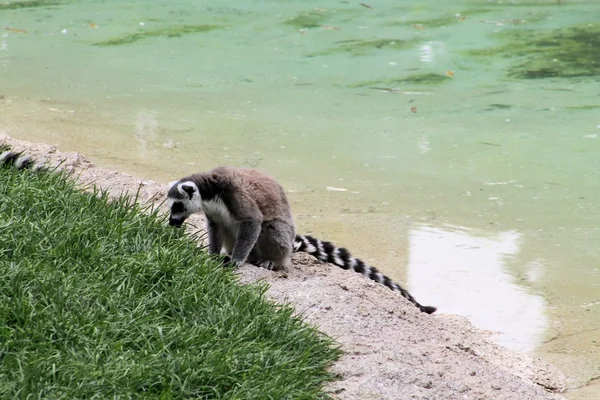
[[392, 350]]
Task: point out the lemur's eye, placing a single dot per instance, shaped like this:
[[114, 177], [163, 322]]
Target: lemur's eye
[[177, 207]]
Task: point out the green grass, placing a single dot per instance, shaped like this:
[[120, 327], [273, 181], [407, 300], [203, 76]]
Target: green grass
[[99, 299]]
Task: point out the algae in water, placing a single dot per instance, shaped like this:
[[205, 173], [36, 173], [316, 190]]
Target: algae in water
[[360, 47], [443, 20], [173, 31], [306, 20], [15, 5], [572, 52], [428, 23], [415, 79]]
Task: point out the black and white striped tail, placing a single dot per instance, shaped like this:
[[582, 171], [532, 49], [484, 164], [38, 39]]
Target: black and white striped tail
[[328, 252], [17, 160]]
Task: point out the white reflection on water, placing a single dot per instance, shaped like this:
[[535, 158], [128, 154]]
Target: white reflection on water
[[146, 131], [429, 51], [464, 274], [4, 47]]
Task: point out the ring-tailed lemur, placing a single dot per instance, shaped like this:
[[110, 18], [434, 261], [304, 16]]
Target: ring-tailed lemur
[[248, 214], [18, 160]]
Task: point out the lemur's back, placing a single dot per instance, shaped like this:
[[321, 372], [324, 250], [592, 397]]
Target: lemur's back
[[258, 187]]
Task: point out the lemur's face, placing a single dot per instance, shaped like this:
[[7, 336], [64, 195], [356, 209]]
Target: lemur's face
[[183, 200]]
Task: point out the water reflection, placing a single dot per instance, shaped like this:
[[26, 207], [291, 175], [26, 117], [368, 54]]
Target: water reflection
[[428, 52], [146, 131], [4, 48], [470, 278]]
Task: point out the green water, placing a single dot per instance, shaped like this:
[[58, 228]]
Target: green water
[[464, 133]]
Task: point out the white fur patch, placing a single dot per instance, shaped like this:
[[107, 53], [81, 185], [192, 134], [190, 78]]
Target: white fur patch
[[217, 211], [297, 245], [172, 183], [322, 254], [22, 161], [195, 205], [188, 184], [5, 155], [336, 257], [309, 247]]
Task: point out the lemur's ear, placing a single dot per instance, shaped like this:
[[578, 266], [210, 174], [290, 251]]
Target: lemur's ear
[[188, 188], [171, 184]]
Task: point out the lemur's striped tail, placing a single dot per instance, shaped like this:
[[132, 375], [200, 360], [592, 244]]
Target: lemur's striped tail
[[328, 252], [17, 160]]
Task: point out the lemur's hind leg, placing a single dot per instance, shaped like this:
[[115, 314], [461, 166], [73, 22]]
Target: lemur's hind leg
[[273, 248]]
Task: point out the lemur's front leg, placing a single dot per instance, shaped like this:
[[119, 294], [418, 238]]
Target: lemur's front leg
[[215, 243]]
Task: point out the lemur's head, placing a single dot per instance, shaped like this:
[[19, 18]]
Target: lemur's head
[[183, 199]]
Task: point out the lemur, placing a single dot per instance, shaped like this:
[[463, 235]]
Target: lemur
[[248, 214]]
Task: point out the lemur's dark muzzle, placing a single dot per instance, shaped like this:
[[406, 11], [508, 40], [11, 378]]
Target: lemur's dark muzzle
[[176, 222]]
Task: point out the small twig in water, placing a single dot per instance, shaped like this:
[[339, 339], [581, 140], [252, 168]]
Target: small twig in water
[[490, 144]]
